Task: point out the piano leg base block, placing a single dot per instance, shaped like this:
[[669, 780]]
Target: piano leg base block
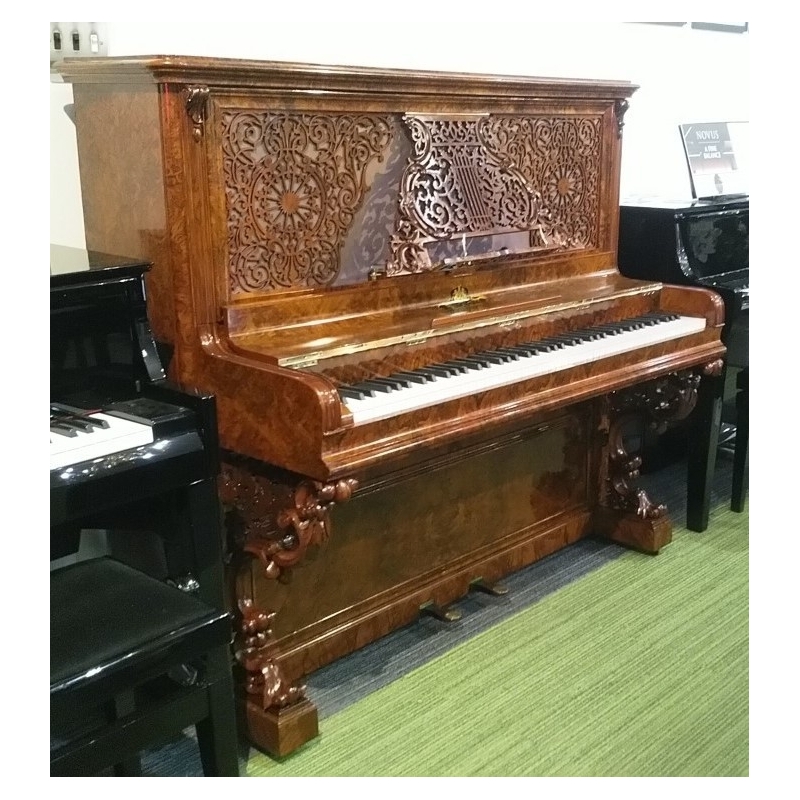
[[630, 530], [280, 731]]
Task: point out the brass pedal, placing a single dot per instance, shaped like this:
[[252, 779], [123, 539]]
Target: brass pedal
[[439, 612], [494, 589]]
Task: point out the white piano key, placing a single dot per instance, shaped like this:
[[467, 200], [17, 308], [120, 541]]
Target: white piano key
[[121, 434], [383, 405]]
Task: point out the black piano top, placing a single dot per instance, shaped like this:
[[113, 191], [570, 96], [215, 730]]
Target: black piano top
[[72, 265], [685, 205], [690, 242]]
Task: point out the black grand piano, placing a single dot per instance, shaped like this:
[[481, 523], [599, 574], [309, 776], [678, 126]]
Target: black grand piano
[[701, 242], [694, 243], [129, 453]]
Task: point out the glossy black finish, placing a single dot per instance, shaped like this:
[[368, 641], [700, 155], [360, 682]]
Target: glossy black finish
[[693, 243], [742, 446], [119, 632], [102, 353], [102, 348]]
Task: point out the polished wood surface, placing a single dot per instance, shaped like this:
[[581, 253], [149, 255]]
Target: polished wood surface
[[311, 226]]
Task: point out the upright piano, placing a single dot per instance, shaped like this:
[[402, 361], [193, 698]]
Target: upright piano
[[402, 288], [129, 452]]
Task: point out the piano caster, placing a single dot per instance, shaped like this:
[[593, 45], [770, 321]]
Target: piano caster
[[439, 612], [494, 589]]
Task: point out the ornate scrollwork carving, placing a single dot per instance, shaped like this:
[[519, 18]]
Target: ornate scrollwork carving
[[277, 522], [294, 183], [458, 183], [620, 109], [254, 649], [196, 98], [665, 400], [274, 518]]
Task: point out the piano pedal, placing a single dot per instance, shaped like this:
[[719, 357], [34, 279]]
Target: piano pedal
[[439, 612], [494, 589]]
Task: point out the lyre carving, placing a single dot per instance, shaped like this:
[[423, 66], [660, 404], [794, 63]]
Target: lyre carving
[[459, 183]]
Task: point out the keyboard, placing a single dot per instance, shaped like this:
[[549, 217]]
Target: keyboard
[[77, 435], [384, 397]]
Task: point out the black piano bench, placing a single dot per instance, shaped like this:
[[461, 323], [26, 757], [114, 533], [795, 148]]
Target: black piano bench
[[134, 662], [740, 452]]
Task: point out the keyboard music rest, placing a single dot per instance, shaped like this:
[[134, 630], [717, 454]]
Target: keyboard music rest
[[162, 477], [349, 226]]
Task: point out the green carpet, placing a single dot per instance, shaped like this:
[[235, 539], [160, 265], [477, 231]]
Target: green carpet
[[637, 669]]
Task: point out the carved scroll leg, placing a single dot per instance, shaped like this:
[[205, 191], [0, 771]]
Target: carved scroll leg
[[628, 516], [277, 716], [702, 455]]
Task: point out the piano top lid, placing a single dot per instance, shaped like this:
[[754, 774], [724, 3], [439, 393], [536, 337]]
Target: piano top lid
[[235, 72], [661, 203], [73, 265]]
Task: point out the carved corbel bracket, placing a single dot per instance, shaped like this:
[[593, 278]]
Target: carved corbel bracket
[[278, 520], [620, 109], [196, 99], [665, 400]]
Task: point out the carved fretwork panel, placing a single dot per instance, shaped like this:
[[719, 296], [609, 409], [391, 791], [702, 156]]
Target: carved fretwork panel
[[327, 199], [293, 184], [495, 175], [560, 158]]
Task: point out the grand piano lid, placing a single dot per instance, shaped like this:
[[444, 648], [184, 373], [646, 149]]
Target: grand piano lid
[[73, 265], [682, 204]]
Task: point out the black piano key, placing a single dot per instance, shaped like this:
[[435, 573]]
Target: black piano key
[[452, 368], [63, 429], [470, 362], [567, 338], [494, 356], [413, 377], [353, 394], [375, 385], [436, 371], [510, 352], [389, 382]]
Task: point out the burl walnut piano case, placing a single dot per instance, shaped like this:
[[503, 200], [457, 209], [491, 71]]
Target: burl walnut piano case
[[361, 264]]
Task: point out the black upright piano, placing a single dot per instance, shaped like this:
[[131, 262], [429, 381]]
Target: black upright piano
[[129, 453], [694, 243]]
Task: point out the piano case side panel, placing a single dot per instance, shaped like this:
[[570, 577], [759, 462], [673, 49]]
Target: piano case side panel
[[425, 536], [123, 181]]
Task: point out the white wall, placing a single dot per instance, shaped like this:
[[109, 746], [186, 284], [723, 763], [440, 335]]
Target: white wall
[[669, 64]]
